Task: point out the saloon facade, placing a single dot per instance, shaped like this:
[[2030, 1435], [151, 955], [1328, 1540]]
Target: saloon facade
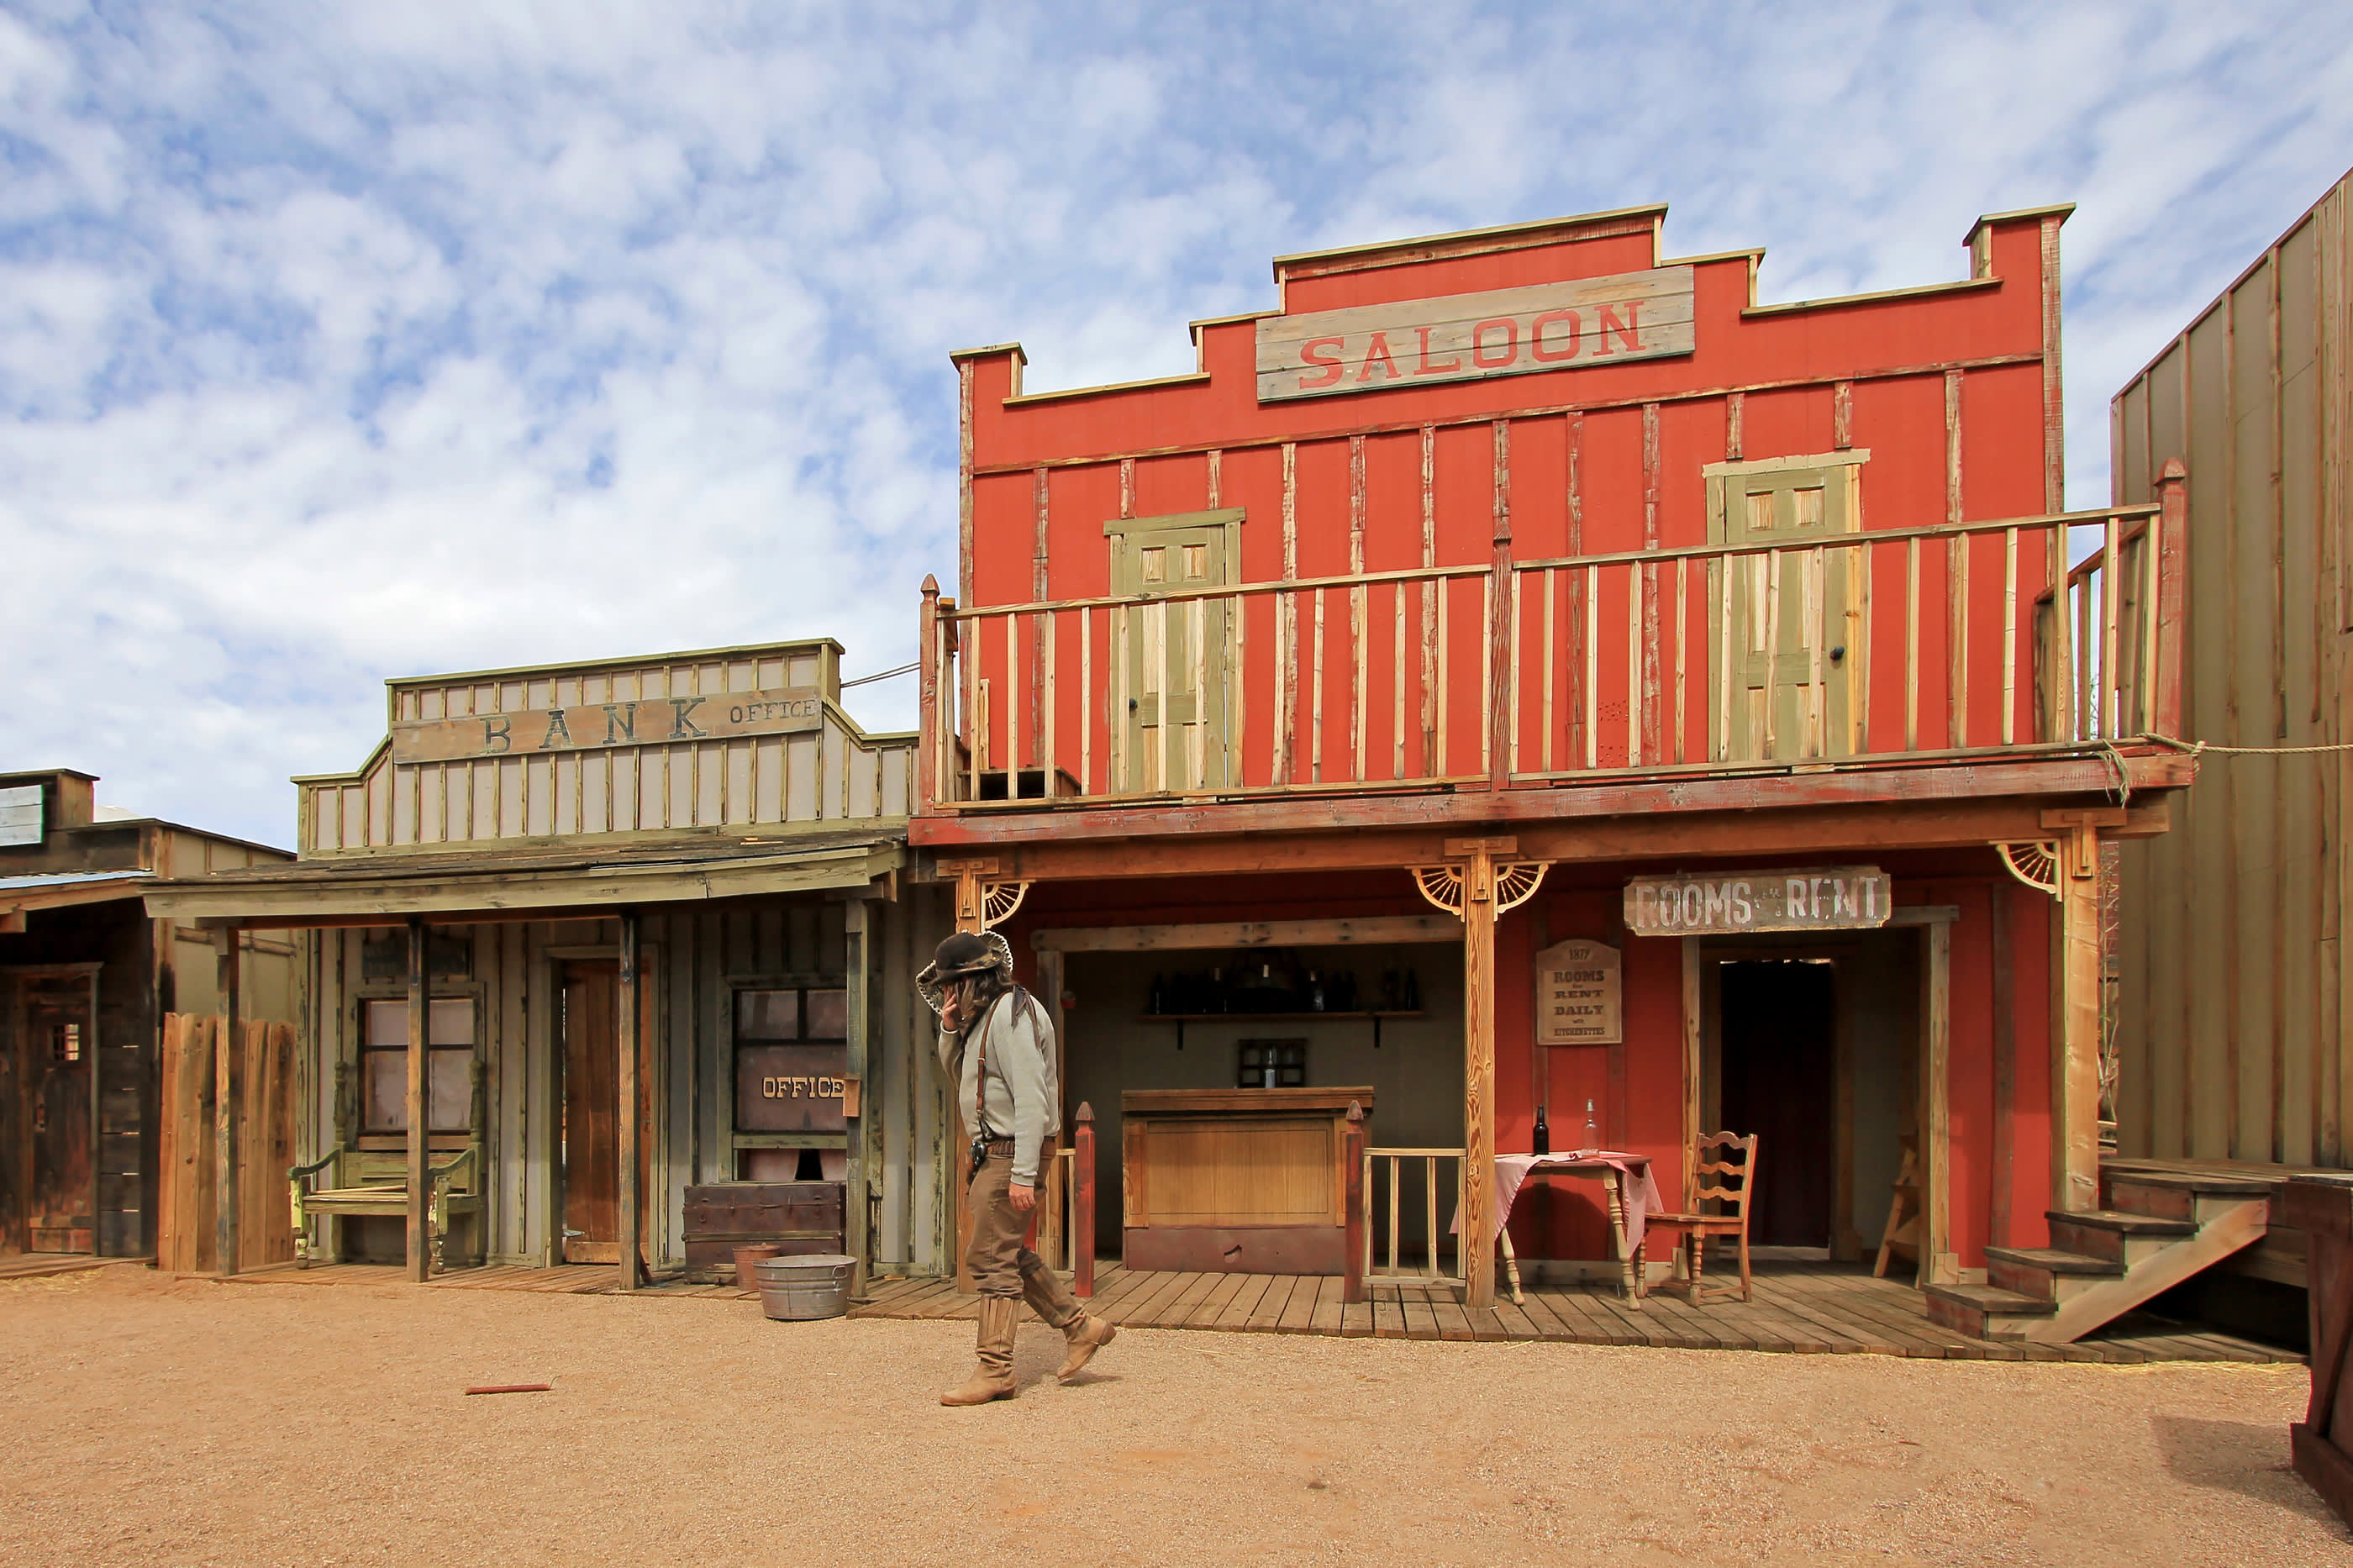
[[672, 883], [1519, 673]]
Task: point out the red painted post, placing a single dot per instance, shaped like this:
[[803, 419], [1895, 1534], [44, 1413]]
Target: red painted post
[[1352, 1146], [1083, 1202], [2172, 522]]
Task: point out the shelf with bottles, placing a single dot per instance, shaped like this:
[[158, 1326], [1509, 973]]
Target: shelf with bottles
[[1277, 984]]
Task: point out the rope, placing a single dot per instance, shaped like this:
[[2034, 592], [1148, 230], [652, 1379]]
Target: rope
[[885, 675], [2199, 748]]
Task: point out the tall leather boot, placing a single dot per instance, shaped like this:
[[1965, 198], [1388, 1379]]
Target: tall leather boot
[[1052, 1301], [993, 1377]]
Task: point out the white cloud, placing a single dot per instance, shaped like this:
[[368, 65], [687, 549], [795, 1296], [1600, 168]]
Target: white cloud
[[344, 341]]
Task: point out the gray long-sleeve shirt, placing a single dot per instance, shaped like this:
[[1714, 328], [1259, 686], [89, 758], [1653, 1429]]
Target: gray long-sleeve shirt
[[1024, 1096]]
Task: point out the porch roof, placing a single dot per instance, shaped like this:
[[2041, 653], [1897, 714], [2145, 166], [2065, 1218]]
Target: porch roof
[[529, 882], [58, 890]]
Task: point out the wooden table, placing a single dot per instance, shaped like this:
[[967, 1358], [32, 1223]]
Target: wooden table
[[1237, 1181], [1613, 1187]]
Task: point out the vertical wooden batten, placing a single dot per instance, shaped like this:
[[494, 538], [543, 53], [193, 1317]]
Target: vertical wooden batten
[[420, 1253], [228, 1098], [628, 1125], [1938, 1263]]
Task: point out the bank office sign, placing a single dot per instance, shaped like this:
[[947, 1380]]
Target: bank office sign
[[605, 726], [1737, 903], [1470, 337]]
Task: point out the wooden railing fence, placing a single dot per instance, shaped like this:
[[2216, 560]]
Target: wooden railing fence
[[1384, 1176], [1949, 640]]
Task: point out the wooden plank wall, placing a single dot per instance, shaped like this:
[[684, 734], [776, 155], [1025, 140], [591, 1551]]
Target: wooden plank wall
[[836, 772], [266, 1122], [2233, 999], [695, 957]]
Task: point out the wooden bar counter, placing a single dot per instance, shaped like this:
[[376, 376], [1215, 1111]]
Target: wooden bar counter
[[1238, 1180]]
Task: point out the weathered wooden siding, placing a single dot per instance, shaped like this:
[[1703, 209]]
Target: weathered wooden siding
[[695, 959], [832, 774], [2232, 987]]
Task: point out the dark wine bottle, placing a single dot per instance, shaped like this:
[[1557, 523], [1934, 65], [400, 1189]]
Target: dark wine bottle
[[1159, 1002], [1542, 1136]]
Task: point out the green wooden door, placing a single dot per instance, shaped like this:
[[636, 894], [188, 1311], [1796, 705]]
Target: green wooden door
[[1791, 617], [1172, 725]]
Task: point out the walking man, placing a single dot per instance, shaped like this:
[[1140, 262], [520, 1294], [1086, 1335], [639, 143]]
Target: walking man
[[998, 1044]]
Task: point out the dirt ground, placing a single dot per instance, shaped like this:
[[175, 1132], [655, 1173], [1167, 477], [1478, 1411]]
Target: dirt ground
[[187, 1423]]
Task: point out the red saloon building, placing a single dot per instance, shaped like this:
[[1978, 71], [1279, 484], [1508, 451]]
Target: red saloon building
[[1520, 673]]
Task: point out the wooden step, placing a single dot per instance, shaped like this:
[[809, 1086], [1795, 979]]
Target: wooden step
[[1986, 1312], [2124, 1237], [2049, 1272], [2123, 1222], [2189, 1182], [2050, 1260]]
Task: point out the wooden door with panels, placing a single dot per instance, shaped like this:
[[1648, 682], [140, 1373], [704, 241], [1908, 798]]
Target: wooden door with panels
[[588, 1155], [55, 1139], [1171, 696], [1786, 631]]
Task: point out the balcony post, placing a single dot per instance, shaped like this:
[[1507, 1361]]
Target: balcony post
[[927, 673], [2172, 545]]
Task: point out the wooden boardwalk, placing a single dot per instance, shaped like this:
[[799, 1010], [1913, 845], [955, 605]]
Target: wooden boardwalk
[[1805, 1308], [1809, 1308], [570, 1279]]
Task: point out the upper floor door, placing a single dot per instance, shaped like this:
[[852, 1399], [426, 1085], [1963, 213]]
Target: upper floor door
[[1171, 720], [1784, 687]]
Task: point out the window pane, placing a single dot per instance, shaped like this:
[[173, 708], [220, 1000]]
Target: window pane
[[387, 1023], [450, 1022], [768, 1015], [452, 1089], [829, 1016], [386, 1089]]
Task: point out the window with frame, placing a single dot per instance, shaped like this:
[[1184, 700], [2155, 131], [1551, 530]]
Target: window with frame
[[449, 1064], [791, 1049]]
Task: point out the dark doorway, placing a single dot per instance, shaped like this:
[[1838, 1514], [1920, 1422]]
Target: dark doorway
[[1779, 1029], [60, 1209], [591, 1148]]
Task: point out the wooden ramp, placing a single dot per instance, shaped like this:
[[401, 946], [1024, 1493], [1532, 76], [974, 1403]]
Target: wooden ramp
[[1808, 1308]]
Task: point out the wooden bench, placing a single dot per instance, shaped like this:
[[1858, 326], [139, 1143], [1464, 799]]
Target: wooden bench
[[373, 1182]]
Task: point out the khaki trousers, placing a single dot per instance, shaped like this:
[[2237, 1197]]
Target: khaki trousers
[[1000, 1261]]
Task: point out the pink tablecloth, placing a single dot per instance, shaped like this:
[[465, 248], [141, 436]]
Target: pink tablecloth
[[1633, 1175]]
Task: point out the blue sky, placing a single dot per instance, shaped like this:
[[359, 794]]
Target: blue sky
[[343, 341]]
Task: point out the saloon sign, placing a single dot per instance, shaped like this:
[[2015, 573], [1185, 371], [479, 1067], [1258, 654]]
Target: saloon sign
[[1468, 337], [1735, 903], [604, 726]]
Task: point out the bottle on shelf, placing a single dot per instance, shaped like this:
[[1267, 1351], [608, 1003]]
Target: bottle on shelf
[[1542, 1139], [1158, 1002], [1413, 998], [1315, 993]]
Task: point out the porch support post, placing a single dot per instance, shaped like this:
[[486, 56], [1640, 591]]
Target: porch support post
[[2075, 1050], [1478, 1237], [855, 1233], [227, 1090], [419, 1197], [632, 1222], [1938, 1265], [970, 896], [1692, 1024]]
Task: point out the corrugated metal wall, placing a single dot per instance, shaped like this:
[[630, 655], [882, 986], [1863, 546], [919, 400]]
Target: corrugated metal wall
[[2232, 989]]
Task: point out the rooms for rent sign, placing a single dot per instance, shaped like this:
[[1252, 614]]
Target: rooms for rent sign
[[1468, 337], [1826, 898]]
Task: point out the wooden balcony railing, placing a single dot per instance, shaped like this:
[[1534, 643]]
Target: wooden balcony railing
[[1943, 641]]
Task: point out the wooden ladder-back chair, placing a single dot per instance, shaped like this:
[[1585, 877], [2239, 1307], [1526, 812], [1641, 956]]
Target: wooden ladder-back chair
[[1716, 1172]]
